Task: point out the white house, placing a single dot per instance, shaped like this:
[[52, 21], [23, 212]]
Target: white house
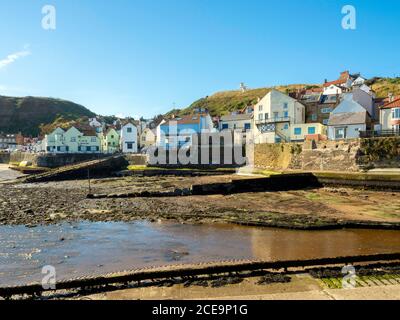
[[358, 82], [96, 124], [129, 138], [72, 140], [273, 116], [241, 121], [390, 115], [332, 90], [347, 120], [148, 138]]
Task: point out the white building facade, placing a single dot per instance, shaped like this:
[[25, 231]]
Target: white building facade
[[274, 115], [129, 138]]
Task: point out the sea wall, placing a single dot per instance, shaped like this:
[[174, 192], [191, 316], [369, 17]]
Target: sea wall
[[344, 156], [53, 160], [4, 157], [137, 159]]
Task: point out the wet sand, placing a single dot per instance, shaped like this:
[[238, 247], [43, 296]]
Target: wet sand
[[89, 249], [54, 202]]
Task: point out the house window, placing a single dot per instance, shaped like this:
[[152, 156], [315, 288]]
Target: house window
[[260, 116], [286, 114], [311, 130], [260, 108], [325, 121], [225, 126], [129, 146], [79, 148], [73, 139], [340, 133], [247, 126], [286, 126], [234, 126], [112, 137], [285, 105], [276, 114], [326, 110], [297, 131], [129, 130], [93, 139], [396, 113], [266, 116], [396, 127], [313, 117]]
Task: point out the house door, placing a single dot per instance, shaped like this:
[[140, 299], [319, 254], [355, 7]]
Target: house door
[[340, 133]]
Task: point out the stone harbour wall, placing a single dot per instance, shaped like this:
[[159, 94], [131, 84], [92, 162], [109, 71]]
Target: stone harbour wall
[[346, 156], [53, 160], [4, 157]]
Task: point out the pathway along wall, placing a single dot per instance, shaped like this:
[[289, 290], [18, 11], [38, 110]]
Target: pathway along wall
[[346, 156]]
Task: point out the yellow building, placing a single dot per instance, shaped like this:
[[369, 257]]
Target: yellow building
[[299, 132]]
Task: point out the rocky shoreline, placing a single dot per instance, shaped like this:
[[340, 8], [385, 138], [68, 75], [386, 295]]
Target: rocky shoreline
[[325, 208]]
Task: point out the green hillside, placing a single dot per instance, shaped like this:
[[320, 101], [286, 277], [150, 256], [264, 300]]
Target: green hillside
[[28, 114], [224, 102], [384, 86]]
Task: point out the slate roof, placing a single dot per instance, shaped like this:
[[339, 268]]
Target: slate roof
[[237, 117], [348, 112], [348, 118]]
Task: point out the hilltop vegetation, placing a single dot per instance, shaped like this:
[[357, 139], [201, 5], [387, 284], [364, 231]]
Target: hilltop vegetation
[[384, 86], [225, 102], [28, 114]]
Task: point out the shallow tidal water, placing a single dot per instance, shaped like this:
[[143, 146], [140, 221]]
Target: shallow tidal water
[[89, 248]]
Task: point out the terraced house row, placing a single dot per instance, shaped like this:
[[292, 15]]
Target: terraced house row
[[345, 108], [92, 139]]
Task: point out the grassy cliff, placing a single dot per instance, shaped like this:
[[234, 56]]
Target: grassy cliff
[[224, 102], [28, 114]]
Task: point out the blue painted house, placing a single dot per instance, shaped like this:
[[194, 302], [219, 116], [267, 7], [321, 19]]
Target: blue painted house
[[179, 131]]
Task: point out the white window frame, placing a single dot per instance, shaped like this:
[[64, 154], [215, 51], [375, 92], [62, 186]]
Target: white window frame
[[396, 113]]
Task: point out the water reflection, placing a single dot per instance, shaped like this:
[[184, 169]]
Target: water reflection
[[97, 248]]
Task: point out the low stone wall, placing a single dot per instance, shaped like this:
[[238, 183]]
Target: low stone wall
[[4, 157], [53, 160], [346, 156], [17, 157], [137, 159]]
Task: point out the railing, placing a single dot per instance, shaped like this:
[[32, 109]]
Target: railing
[[282, 136], [273, 120], [380, 133]]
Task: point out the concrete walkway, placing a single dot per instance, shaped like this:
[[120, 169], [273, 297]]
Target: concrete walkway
[[301, 287], [8, 174]]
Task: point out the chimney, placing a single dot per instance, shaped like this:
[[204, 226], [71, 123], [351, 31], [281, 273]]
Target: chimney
[[326, 80], [391, 97]]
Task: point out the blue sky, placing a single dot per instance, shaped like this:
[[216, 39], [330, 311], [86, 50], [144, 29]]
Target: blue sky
[[139, 57]]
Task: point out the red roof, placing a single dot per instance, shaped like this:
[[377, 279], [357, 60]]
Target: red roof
[[393, 104], [336, 82], [344, 76], [386, 100]]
